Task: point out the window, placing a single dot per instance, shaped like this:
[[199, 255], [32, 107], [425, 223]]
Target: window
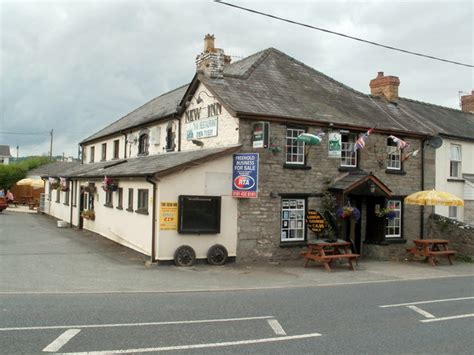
[[116, 148], [109, 198], [91, 158], [348, 155], [142, 203], [50, 191], [393, 227], [294, 149], [393, 155], [58, 195], [66, 194], [130, 200], [169, 139], [455, 161], [199, 214], [292, 220], [453, 212], [120, 198], [103, 155], [143, 144]]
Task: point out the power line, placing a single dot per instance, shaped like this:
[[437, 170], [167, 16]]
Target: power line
[[26, 133], [342, 34]]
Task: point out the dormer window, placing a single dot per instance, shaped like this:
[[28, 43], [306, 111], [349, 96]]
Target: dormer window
[[143, 144]]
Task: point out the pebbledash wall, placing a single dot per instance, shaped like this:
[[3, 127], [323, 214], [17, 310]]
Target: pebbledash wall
[[259, 219]]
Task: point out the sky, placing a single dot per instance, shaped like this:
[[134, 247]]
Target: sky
[[74, 67]]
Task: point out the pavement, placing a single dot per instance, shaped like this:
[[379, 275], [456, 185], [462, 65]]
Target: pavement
[[38, 257]]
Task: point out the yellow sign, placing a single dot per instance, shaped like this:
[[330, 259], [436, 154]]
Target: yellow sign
[[168, 216]]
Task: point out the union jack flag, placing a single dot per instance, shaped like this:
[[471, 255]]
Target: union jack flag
[[360, 143], [401, 144]]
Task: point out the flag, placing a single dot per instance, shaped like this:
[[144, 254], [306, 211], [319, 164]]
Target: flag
[[410, 155], [360, 143], [401, 144]]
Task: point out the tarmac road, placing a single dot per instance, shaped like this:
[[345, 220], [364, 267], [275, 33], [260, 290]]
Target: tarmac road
[[68, 291]]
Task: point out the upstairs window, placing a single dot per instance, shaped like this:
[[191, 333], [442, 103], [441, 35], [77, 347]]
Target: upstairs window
[[455, 161], [393, 155], [348, 154], [294, 149], [91, 158], [169, 139], [103, 155], [143, 144], [116, 148]]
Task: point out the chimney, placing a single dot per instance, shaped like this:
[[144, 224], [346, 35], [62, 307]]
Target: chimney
[[385, 86], [212, 60], [467, 102]]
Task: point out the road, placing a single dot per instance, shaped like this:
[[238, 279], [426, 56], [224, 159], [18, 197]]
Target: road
[[420, 316]]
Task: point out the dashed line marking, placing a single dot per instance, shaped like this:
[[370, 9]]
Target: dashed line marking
[[421, 311], [276, 326]]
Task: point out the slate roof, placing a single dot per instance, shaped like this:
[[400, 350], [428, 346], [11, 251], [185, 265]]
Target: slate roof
[[159, 164], [5, 151], [53, 169], [160, 107], [352, 180]]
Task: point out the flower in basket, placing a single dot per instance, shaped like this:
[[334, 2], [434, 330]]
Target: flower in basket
[[347, 212], [88, 214], [387, 212], [109, 185], [54, 182], [63, 184]]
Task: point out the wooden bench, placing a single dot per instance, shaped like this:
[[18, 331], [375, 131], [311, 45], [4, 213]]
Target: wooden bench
[[430, 249], [326, 260], [446, 253]]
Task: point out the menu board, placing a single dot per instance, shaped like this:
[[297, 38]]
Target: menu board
[[315, 221]]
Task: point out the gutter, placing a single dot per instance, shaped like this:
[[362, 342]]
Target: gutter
[[153, 220]]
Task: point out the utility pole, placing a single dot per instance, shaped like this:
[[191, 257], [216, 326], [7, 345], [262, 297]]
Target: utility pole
[[17, 149], [51, 146]]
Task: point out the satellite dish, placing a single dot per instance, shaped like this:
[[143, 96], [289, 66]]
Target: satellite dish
[[435, 142]]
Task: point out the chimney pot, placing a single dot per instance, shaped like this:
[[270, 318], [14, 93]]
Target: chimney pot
[[467, 102], [209, 43], [385, 86]]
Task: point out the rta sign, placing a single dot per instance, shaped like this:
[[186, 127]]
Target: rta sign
[[245, 175]]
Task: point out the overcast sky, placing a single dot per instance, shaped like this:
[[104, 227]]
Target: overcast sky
[[77, 66]]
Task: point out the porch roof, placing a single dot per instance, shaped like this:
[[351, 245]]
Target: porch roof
[[359, 182]]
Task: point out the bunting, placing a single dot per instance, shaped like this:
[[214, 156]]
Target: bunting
[[360, 143], [401, 144]]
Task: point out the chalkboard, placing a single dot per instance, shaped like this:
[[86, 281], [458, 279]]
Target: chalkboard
[[315, 221]]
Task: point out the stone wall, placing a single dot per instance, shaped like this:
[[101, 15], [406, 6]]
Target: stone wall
[[259, 219], [460, 235], [469, 212]]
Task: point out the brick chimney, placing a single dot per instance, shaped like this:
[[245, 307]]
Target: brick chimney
[[385, 86], [467, 102], [212, 60]]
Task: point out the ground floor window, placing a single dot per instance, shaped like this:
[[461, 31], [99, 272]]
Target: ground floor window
[[393, 227], [142, 205], [108, 198], [120, 198], [292, 219]]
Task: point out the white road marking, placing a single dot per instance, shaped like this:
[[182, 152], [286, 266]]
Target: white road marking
[[447, 318], [61, 340], [200, 346], [424, 302], [422, 312], [135, 324], [276, 326]]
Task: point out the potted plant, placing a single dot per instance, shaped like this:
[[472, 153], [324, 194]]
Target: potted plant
[[109, 185], [387, 212], [90, 188], [88, 214], [63, 184], [54, 182]]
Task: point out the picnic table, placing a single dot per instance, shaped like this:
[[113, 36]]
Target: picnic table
[[430, 249], [325, 252]]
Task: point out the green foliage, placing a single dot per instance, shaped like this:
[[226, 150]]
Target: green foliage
[[464, 258], [9, 174]]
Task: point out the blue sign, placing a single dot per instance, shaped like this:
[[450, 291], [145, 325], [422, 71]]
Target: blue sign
[[245, 175]]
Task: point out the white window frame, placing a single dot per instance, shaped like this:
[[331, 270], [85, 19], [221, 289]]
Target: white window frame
[[392, 224], [348, 155], [294, 150], [394, 155], [453, 212], [293, 225], [455, 158]]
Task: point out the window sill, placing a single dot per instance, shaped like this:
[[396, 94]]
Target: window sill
[[66, 204], [142, 154], [129, 210], [452, 179], [295, 244], [395, 172], [119, 208], [109, 205], [142, 211], [348, 168], [296, 167]]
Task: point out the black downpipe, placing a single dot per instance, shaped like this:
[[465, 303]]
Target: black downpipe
[[125, 148], [71, 200], [153, 220], [179, 134]]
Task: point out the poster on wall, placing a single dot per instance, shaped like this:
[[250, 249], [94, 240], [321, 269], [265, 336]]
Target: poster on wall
[[168, 216], [334, 145], [203, 128], [245, 175]]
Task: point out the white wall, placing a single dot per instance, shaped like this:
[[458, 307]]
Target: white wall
[[211, 179], [442, 172]]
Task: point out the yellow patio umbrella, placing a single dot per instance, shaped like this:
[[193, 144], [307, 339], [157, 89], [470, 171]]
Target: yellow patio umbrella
[[34, 183], [433, 197]]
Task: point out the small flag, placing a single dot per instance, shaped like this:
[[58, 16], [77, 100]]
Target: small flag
[[401, 144], [410, 155], [360, 143]]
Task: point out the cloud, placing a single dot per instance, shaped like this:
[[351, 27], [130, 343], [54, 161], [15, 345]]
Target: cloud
[[75, 67]]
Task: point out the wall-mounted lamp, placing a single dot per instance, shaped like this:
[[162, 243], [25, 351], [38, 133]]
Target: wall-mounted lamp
[[371, 187], [199, 100], [197, 142]]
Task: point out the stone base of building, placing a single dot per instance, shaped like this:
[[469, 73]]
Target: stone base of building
[[393, 252]]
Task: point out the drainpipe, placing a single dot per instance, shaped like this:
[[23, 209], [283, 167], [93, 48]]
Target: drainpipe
[[125, 148], [153, 220], [82, 153], [179, 134], [71, 200], [422, 219]]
